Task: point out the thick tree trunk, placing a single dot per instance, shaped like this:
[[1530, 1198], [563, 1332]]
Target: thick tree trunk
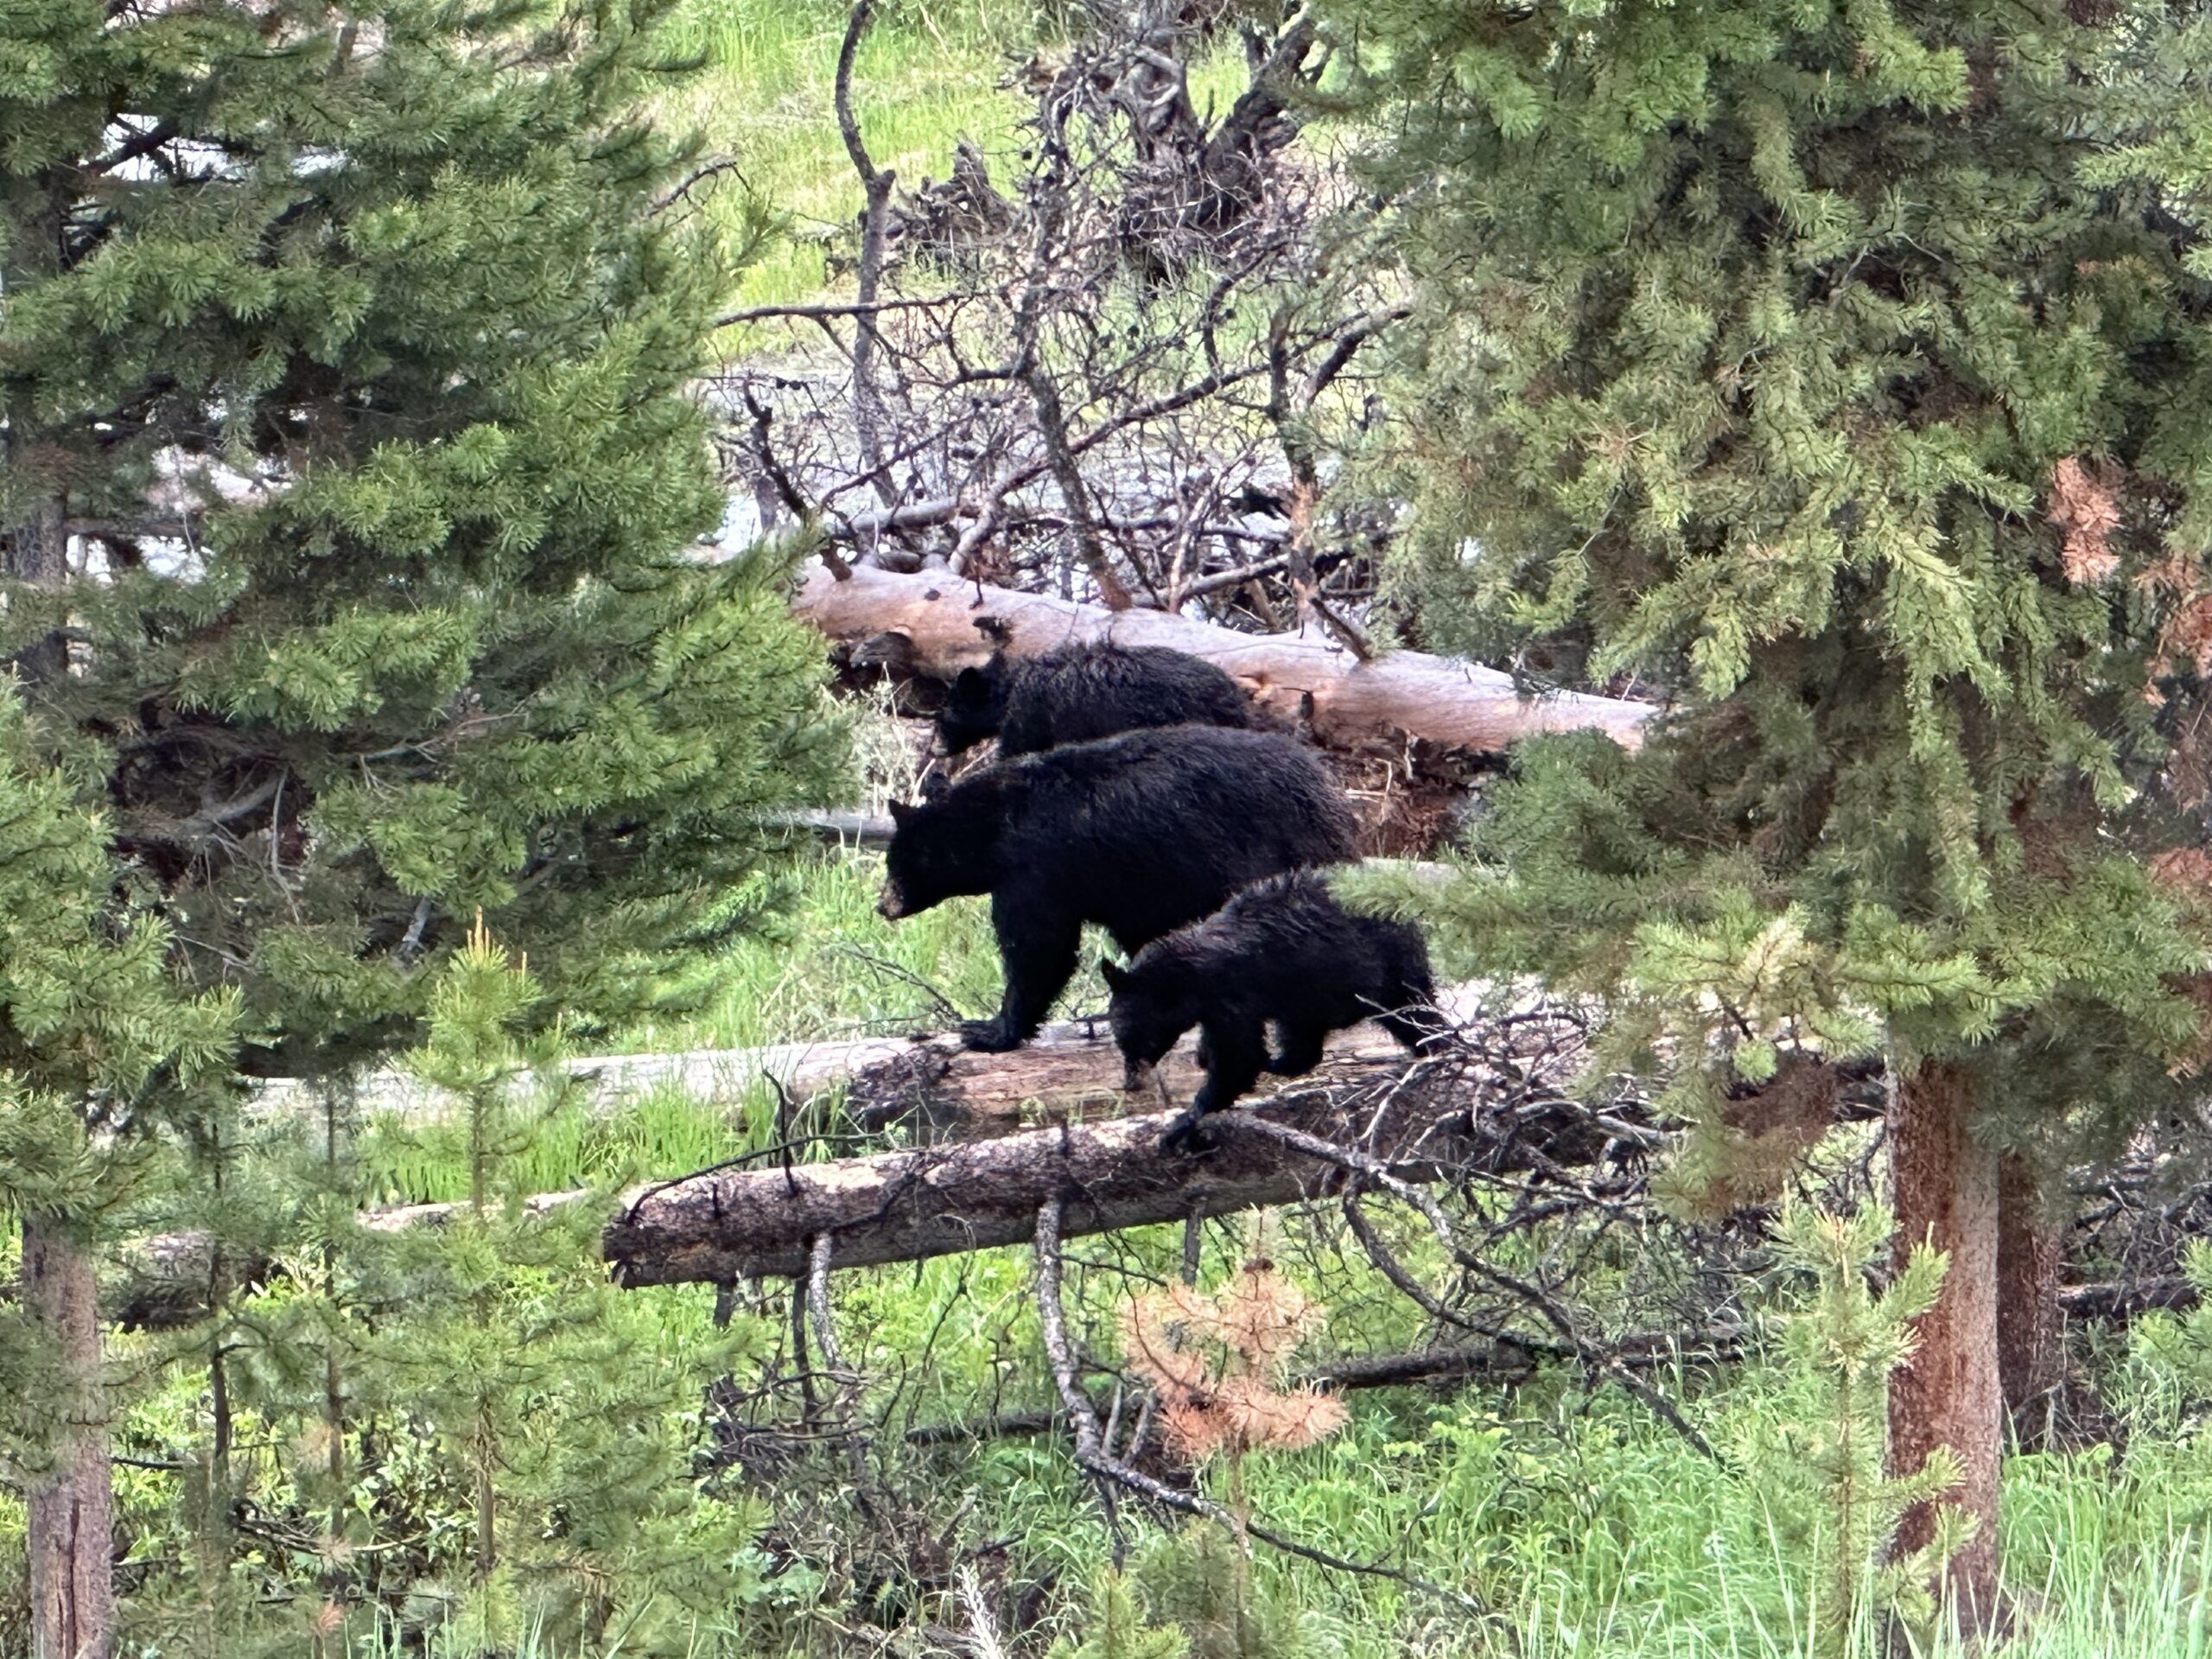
[[2030, 1341], [944, 1199], [72, 1507], [1947, 1394], [1447, 702]]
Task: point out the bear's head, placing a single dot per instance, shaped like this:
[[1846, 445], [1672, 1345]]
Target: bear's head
[[940, 849], [975, 707], [1150, 1009]]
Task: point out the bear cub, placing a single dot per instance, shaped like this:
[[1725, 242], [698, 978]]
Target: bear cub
[[1082, 692], [1139, 834], [1285, 950]]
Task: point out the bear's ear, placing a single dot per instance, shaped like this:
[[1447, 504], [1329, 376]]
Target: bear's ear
[[935, 788], [971, 686], [901, 812], [1115, 977]]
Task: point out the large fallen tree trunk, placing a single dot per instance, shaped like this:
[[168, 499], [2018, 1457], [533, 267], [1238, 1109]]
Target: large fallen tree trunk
[[931, 1086], [944, 1199], [1457, 704]]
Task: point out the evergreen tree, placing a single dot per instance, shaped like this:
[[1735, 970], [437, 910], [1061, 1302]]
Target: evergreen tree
[[349, 479], [1839, 371]]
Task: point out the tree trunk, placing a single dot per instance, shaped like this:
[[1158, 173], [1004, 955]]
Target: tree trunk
[[1453, 703], [1948, 1394], [2030, 1341], [72, 1508], [945, 1199]]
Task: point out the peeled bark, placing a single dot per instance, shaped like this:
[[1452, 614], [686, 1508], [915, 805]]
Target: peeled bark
[[1948, 1394], [2031, 1341], [1457, 704], [72, 1506]]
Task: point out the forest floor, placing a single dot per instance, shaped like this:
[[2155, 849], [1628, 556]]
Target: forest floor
[[1564, 1518]]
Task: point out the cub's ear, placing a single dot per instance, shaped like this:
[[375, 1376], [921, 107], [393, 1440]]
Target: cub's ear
[[1115, 977], [971, 685], [901, 812], [935, 788]]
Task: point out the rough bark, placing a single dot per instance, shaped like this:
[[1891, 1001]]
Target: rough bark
[[1457, 704], [71, 1505], [1949, 1393], [944, 1199], [2031, 1341], [931, 1086]]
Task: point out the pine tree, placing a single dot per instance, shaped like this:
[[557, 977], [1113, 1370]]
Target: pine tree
[[1826, 1470], [350, 478], [1839, 371], [98, 1036]]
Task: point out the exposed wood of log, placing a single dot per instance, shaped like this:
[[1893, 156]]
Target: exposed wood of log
[[1455, 703], [2124, 1299]]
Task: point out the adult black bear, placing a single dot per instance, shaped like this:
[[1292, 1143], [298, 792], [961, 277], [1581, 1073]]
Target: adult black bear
[[1140, 834], [1080, 693], [1282, 950]]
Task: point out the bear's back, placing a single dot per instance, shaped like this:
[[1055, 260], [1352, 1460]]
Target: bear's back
[[1153, 829], [1095, 690]]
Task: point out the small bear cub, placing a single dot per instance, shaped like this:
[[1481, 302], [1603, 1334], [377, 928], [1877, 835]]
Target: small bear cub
[[1282, 950]]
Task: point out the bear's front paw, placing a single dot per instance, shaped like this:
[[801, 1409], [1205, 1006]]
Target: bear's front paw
[[989, 1036]]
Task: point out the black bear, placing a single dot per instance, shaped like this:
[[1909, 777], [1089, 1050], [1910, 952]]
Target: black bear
[[1140, 834], [1285, 950], [1082, 692]]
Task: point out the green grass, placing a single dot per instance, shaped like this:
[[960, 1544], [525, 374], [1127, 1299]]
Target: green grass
[[925, 75]]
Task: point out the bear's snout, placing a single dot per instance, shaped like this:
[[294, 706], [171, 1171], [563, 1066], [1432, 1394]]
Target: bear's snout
[[1136, 1075], [891, 904]]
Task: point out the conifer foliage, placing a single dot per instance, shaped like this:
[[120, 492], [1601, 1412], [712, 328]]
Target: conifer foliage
[[1839, 371], [350, 481]]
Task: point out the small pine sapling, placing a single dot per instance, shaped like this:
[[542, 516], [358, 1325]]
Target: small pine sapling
[[1827, 1466], [1115, 1626]]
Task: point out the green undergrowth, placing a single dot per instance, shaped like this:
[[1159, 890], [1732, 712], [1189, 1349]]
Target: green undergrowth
[[926, 76]]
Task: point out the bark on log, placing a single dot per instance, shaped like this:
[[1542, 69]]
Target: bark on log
[[1458, 704], [945, 1199], [931, 1085]]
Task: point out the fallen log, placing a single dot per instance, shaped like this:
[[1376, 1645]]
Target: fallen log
[[931, 1086], [1458, 704], [954, 1197]]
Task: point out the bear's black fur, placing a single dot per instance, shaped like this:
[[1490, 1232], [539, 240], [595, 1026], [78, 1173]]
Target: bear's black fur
[[1080, 693], [1140, 834], [1285, 950]]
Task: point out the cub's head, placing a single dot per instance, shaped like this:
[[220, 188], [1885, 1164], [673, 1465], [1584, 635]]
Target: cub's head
[[1148, 1012], [975, 707], [937, 851]]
